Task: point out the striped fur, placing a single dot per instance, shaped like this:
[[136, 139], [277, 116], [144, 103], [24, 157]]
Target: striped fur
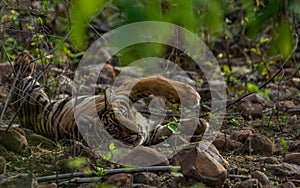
[[55, 119]]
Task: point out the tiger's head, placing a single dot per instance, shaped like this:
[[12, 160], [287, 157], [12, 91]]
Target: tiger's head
[[118, 122]]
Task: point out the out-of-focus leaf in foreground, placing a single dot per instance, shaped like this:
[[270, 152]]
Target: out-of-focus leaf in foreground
[[81, 12]]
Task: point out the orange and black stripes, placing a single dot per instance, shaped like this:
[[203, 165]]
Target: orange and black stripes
[[55, 119]]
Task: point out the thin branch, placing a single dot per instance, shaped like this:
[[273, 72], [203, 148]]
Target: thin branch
[[111, 171]]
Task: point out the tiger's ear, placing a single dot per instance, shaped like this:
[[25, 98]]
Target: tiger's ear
[[108, 98], [23, 64]]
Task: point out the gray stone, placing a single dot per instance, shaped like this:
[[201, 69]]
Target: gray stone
[[292, 158], [262, 178], [121, 179], [13, 140], [250, 183], [18, 180], [144, 156], [146, 178], [284, 169], [223, 144], [268, 160], [288, 185], [241, 135]]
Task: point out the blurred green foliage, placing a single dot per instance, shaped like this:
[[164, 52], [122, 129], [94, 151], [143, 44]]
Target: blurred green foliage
[[81, 13], [203, 17]]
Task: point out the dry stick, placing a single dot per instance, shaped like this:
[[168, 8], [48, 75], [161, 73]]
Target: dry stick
[[264, 84], [111, 171]]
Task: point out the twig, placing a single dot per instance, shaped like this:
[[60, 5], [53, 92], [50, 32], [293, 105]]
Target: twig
[[110, 171]]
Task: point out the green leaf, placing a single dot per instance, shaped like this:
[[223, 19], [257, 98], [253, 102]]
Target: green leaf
[[283, 40], [107, 156], [173, 127], [252, 87], [81, 12], [112, 147], [100, 172], [284, 145]]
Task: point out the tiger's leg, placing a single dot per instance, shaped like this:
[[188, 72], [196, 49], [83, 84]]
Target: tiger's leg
[[172, 91]]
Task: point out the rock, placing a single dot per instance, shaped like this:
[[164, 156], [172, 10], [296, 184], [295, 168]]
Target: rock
[[292, 158], [121, 179], [138, 185], [2, 165], [262, 178], [252, 106], [285, 105], [144, 156], [296, 82], [291, 72], [258, 144], [146, 178], [251, 110], [288, 185], [207, 166], [12, 140], [254, 98], [47, 185], [18, 180], [241, 135], [280, 92], [294, 146], [250, 183], [89, 185], [268, 160], [39, 140], [227, 145], [284, 169]]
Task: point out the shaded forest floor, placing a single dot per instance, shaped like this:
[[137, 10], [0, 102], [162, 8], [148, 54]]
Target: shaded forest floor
[[259, 133]]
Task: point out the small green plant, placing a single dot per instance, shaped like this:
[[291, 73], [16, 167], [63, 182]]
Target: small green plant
[[284, 145], [109, 155], [235, 121], [173, 126], [100, 172]]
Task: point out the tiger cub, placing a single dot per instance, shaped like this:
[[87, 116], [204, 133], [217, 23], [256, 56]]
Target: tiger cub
[[55, 119]]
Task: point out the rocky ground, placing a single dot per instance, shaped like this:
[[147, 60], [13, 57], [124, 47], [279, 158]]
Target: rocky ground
[[257, 147], [258, 144]]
